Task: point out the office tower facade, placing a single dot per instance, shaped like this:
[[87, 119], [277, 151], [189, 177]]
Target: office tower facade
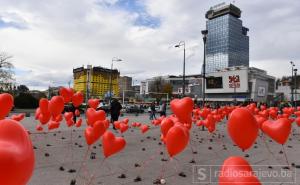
[[227, 42]]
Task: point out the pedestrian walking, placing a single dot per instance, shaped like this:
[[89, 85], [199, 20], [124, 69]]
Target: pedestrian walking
[[163, 109], [115, 108], [152, 111]]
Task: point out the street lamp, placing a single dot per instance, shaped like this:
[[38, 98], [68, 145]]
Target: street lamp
[[292, 91], [182, 43], [114, 59], [204, 34], [295, 87]]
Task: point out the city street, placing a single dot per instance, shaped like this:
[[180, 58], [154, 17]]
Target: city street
[[62, 155]]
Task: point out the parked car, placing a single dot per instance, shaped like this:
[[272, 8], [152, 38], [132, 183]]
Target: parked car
[[157, 109], [68, 108], [134, 109], [105, 108]]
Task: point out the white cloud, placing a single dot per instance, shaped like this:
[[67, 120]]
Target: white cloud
[[62, 34]]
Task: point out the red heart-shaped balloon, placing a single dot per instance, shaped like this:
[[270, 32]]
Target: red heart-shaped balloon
[[237, 165], [77, 99], [43, 104], [117, 124], [53, 125], [165, 126], [144, 128], [58, 118], [264, 113], [183, 109], [39, 127], [99, 129], [156, 122], [89, 135], [126, 120], [6, 104], [68, 115], [242, 128], [93, 116], [37, 113], [176, 139], [112, 144], [297, 120], [297, 113], [16, 154], [260, 119], [44, 118], [93, 103], [204, 113], [78, 123], [77, 113], [66, 93], [56, 105], [123, 127], [93, 133], [106, 123], [278, 130], [70, 122], [273, 113], [18, 117]]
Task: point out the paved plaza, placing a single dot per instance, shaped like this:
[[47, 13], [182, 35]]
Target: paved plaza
[[62, 155]]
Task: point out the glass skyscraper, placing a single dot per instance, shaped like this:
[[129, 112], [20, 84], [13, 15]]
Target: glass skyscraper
[[227, 42]]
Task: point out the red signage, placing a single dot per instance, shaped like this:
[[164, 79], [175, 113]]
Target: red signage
[[234, 81]]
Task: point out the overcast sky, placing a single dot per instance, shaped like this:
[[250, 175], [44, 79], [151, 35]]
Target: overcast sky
[[49, 38]]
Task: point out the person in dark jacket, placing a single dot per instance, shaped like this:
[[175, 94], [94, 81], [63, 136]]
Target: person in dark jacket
[[115, 108], [73, 109], [152, 111]]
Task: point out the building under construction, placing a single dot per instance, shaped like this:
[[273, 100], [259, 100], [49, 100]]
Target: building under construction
[[94, 82]]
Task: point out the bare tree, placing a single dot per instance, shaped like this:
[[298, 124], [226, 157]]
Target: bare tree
[[6, 73], [161, 87]]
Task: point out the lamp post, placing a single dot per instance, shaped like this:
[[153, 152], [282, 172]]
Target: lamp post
[[295, 87], [204, 34], [182, 43], [292, 91], [234, 91], [114, 59]]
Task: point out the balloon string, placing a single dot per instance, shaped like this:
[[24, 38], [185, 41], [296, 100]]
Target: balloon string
[[286, 159], [175, 165], [92, 177], [216, 153], [267, 146], [148, 160], [163, 168], [72, 164], [192, 150], [83, 162]]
